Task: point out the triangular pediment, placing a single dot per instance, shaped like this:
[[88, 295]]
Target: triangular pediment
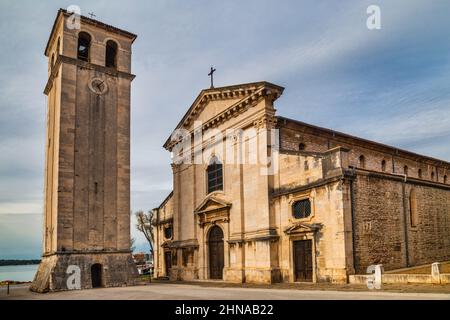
[[302, 227], [212, 203], [218, 104]]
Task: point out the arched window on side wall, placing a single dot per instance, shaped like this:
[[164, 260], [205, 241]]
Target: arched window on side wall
[[84, 45], [445, 179], [432, 176], [111, 54], [215, 175], [362, 162], [405, 170], [383, 165], [420, 173], [413, 208]]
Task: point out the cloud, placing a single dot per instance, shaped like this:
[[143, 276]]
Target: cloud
[[389, 85]]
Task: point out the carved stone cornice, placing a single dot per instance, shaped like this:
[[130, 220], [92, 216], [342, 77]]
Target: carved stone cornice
[[213, 210], [267, 121], [178, 244], [162, 221], [82, 64], [269, 234], [302, 227], [249, 95]]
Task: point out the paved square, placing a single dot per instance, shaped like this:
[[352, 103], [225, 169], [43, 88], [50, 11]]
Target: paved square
[[181, 291]]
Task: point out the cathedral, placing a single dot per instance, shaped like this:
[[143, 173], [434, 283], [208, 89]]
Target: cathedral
[[304, 204], [256, 197]]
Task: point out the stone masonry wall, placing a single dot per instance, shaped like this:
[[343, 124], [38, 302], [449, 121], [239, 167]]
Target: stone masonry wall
[[383, 230]]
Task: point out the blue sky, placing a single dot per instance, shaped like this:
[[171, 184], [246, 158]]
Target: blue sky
[[389, 85]]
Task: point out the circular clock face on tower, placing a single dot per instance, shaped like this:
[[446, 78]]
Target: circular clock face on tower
[[98, 86]]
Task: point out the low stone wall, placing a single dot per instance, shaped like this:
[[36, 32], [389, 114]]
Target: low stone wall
[[401, 279], [445, 278]]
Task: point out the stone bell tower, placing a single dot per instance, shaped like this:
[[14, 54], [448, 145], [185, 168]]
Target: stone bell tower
[[87, 173]]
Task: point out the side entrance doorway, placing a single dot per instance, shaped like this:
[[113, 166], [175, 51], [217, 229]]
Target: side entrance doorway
[[303, 269], [216, 253]]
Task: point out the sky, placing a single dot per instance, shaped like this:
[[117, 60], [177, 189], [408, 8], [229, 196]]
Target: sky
[[390, 85]]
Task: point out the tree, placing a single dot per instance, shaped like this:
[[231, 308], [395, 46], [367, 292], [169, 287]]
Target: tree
[[144, 225]]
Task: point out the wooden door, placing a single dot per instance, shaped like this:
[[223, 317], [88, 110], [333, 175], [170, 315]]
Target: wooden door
[[216, 254], [168, 262], [303, 270]]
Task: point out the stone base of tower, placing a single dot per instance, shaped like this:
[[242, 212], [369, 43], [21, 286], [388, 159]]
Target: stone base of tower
[[58, 272]]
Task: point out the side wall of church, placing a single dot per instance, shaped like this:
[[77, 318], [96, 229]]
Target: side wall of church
[[303, 176], [162, 219], [383, 208], [400, 224], [315, 139]]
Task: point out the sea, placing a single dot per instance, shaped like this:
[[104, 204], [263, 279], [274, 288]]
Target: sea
[[18, 273]]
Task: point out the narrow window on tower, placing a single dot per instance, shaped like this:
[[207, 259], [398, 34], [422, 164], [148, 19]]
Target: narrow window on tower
[[84, 44], [111, 54], [383, 165], [214, 175]]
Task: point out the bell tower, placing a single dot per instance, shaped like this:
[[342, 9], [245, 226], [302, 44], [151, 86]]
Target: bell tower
[[87, 172]]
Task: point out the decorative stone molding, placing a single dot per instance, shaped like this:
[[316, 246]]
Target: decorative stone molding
[[269, 234], [250, 94], [191, 243], [82, 64], [162, 221], [267, 121], [302, 227], [213, 210]]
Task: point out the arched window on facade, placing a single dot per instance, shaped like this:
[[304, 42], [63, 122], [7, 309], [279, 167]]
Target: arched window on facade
[[301, 147], [111, 54], [362, 162], [214, 175], [84, 45], [383, 165], [432, 176], [405, 170], [419, 173], [445, 179]]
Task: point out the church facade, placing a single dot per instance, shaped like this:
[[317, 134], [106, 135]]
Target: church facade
[[261, 198]]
